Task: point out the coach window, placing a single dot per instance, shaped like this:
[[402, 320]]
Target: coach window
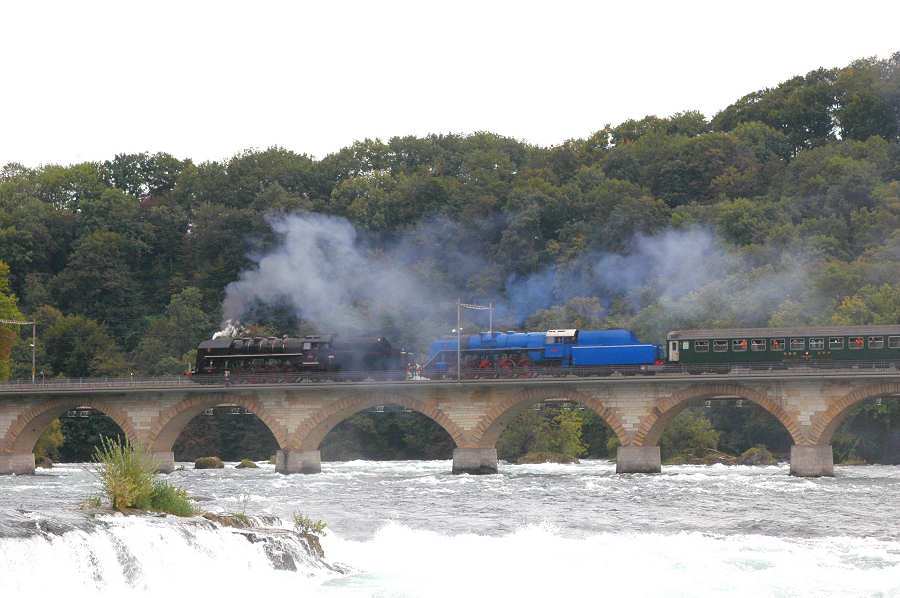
[[876, 342], [855, 342], [894, 342], [836, 342], [758, 344], [817, 344], [720, 346], [777, 344], [798, 344], [739, 345], [703, 346]]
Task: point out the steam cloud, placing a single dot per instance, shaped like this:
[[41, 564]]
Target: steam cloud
[[330, 274]]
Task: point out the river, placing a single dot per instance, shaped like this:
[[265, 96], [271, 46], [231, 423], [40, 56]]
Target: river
[[410, 528]]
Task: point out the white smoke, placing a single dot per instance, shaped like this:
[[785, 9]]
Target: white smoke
[[333, 277], [231, 329]]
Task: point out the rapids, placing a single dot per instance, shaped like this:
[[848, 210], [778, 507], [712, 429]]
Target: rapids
[[410, 528]]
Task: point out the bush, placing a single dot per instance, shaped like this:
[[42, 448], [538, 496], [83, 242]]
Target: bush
[[48, 445], [166, 498], [208, 463], [305, 525], [246, 464], [129, 480], [126, 474], [758, 455]]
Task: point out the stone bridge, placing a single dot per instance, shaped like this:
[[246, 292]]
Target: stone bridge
[[474, 413]]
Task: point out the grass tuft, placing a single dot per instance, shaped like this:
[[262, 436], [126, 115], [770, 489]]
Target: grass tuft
[[128, 477]]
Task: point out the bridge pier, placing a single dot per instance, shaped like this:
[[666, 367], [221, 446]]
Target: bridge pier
[[475, 460], [298, 462], [165, 461], [812, 461], [18, 464], [638, 459]]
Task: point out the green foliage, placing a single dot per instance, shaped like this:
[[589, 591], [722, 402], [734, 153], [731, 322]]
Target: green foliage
[[166, 498], [757, 455], [128, 478], [126, 474], [8, 311], [689, 434], [870, 305], [50, 442], [393, 434], [231, 437], [304, 525], [247, 464], [79, 347], [84, 434], [550, 429]]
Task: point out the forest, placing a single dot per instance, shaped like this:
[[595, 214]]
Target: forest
[[781, 209]]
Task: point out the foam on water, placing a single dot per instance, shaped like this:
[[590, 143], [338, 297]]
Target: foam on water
[[534, 561], [413, 529]]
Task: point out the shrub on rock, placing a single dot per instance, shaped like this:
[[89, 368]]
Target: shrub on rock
[[246, 464], [758, 455], [209, 463]]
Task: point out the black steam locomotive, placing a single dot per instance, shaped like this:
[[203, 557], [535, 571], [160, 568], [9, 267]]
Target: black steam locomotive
[[310, 358]]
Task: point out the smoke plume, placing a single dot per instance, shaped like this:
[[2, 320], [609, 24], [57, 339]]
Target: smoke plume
[[334, 276]]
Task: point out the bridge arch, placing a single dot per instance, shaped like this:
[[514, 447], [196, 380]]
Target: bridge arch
[[312, 431], [25, 431], [501, 414], [664, 411], [172, 421], [824, 425]]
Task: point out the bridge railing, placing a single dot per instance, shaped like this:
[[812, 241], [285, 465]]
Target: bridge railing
[[761, 370]]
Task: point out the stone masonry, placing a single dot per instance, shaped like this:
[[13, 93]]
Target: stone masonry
[[474, 413]]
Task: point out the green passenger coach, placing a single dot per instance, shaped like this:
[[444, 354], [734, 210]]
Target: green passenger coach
[[822, 345]]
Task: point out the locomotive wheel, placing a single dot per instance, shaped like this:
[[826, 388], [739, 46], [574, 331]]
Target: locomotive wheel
[[506, 368], [486, 369], [525, 368]]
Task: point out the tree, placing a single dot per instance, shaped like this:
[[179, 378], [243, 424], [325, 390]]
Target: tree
[[8, 311], [871, 305], [99, 281], [183, 326], [689, 434], [80, 348]]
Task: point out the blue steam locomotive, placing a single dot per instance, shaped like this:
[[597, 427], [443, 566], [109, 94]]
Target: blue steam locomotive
[[521, 354]]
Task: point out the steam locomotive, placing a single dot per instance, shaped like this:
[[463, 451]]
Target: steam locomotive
[[310, 358], [522, 354]]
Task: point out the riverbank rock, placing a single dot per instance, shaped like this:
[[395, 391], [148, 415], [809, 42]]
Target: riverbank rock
[[44, 462], [758, 455], [275, 541], [246, 464], [209, 463]]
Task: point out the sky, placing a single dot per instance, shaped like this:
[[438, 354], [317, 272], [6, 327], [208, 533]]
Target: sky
[[84, 81]]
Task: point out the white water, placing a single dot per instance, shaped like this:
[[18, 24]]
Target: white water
[[412, 529]]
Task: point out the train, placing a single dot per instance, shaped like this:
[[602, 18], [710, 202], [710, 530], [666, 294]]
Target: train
[[604, 352], [299, 359], [547, 353]]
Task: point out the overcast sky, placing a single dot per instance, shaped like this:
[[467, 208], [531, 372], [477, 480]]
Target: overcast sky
[[204, 80]]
